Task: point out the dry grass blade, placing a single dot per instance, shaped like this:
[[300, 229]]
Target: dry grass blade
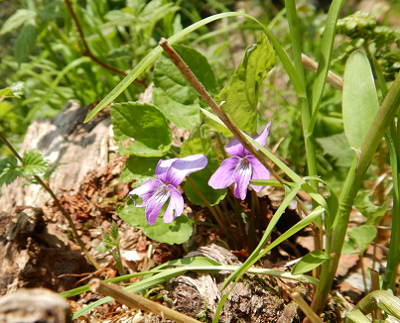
[[133, 300]]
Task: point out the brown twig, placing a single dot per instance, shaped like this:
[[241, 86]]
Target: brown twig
[[307, 310], [59, 206], [185, 70], [136, 301], [333, 79], [88, 53]]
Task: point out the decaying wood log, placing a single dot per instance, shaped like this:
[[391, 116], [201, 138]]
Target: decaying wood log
[[83, 147], [32, 306], [33, 254]]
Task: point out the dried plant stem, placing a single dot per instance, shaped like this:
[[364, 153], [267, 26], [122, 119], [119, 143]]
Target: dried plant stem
[[88, 53], [333, 79], [136, 301], [59, 206], [185, 70], [307, 310]]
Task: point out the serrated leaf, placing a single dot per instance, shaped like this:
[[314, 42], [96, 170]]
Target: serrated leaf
[[309, 262], [360, 101], [17, 20], [144, 124], [177, 232], [362, 236], [372, 212], [241, 96], [174, 95], [51, 11], [25, 42], [33, 163], [9, 170], [14, 90], [337, 147], [139, 169]]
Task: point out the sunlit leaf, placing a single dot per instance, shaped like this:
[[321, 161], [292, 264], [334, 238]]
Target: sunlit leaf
[[141, 129], [176, 232], [17, 20], [139, 169], [34, 163], [309, 262], [9, 170]]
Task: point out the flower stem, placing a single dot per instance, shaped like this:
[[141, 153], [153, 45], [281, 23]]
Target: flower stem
[[218, 216], [63, 211]]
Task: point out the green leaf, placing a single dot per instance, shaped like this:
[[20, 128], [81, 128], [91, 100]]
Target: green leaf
[[372, 212], [14, 90], [174, 95], [9, 171], [139, 169], [362, 236], [177, 232], [17, 20], [51, 11], [337, 147], [144, 124], [199, 142], [241, 96], [360, 101], [33, 163], [25, 42], [309, 262]]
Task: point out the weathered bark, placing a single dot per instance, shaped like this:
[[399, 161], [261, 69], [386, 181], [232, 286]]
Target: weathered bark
[[83, 147], [33, 256]]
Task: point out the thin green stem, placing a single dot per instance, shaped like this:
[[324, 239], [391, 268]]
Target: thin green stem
[[59, 206]]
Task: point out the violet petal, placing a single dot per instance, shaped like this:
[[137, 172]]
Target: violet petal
[[262, 138], [145, 191], [162, 168], [175, 204], [242, 176], [155, 203], [259, 172], [223, 176], [182, 167]]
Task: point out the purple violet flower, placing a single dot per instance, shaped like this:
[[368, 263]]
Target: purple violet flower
[[169, 174], [241, 167]]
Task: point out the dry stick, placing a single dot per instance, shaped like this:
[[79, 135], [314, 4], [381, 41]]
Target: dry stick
[[188, 74], [88, 53], [333, 79], [136, 301], [307, 310], [63, 211]]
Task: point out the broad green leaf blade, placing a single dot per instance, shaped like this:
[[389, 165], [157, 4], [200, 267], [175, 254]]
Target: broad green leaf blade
[[241, 96], [14, 90], [362, 236], [360, 101], [139, 169], [9, 170], [145, 125], [199, 142], [309, 262], [372, 212], [52, 11], [25, 42], [174, 95], [179, 231], [33, 163], [17, 20], [298, 84]]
